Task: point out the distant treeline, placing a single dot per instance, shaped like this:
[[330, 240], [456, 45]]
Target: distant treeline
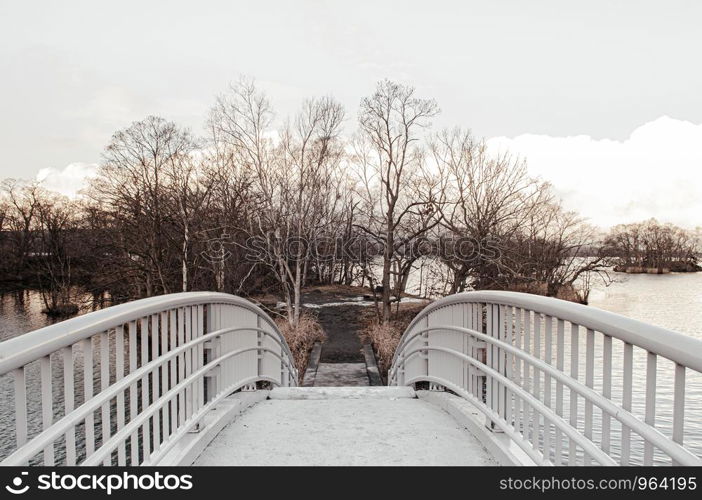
[[650, 246], [253, 208]]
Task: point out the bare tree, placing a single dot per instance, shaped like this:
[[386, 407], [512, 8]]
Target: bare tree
[[231, 203], [242, 152], [298, 195], [20, 218], [132, 190], [292, 182], [188, 190], [397, 191], [57, 227], [490, 196], [562, 254]]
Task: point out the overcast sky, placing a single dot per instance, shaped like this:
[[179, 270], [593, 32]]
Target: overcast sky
[[604, 98]]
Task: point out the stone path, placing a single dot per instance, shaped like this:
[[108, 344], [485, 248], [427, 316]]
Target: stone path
[[341, 374]]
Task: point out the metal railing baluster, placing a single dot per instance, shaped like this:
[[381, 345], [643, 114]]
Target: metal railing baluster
[[88, 390], [528, 379], [548, 353], [606, 390], [509, 338], [159, 330], [69, 402], [20, 385], [47, 403], [626, 400], [574, 360], [518, 409], [119, 374], [679, 406], [104, 384], [560, 358], [650, 418], [145, 398], [133, 396], [589, 382]]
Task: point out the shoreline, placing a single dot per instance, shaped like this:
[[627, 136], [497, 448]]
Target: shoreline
[[656, 270]]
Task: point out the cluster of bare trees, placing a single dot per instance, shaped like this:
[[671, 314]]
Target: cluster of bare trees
[[296, 189], [519, 236], [652, 246], [39, 244], [258, 205]]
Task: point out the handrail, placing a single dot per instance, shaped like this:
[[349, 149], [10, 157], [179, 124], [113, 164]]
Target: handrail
[[518, 358], [181, 431], [670, 344], [546, 412], [676, 451], [159, 362], [132, 426], [74, 418], [30, 346]]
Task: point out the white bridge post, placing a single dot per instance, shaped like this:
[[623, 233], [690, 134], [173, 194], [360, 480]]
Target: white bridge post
[[212, 351]]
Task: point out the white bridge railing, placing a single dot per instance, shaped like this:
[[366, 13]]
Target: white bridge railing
[[121, 385], [569, 384]]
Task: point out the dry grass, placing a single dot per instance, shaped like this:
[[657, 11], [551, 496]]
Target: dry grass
[[301, 339], [385, 338]]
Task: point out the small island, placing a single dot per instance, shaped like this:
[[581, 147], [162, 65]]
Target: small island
[[651, 247]]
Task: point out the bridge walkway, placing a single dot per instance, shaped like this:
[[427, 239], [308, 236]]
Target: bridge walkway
[[344, 426]]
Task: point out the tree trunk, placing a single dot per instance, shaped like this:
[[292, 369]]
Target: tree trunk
[[186, 238], [297, 293], [387, 263]]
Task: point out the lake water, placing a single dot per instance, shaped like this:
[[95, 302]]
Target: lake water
[[671, 301]]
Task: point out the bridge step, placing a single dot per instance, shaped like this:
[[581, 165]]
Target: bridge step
[[300, 393], [341, 374]]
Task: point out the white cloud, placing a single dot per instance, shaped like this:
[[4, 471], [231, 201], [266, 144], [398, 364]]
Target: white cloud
[[656, 172], [69, 180]]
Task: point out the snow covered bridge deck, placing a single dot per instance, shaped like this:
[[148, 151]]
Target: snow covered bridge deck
[[344, 426], [207, 378]]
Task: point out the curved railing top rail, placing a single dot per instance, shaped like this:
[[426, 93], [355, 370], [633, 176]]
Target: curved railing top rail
[[677, 347], [26, 348]]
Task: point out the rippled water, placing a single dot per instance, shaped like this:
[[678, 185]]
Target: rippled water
[[671, 301], [21, 312]]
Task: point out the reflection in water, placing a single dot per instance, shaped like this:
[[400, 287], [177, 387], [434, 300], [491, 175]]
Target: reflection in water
[[21, 311], [672, 301]]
